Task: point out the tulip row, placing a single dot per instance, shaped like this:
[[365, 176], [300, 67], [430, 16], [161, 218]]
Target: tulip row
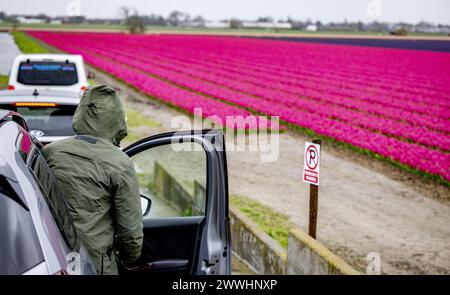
[[284, 105], [383, 97], [435, 119], [413, 132], [433, 84], [282, 77]]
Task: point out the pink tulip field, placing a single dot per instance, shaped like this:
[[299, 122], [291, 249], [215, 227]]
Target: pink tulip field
[[393, 103]]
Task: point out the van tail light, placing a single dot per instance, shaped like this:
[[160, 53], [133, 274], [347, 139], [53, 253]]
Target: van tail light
[[35, 104], [83, 88], [10, 87]]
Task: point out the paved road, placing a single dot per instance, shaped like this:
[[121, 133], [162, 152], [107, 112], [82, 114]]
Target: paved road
[[8, 51]]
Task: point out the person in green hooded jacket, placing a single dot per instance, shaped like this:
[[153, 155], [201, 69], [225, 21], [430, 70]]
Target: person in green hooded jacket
[[99, 181]]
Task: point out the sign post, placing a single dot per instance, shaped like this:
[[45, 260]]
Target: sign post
[[311, 176]]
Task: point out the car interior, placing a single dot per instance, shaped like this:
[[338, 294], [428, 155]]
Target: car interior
[[169, 246]]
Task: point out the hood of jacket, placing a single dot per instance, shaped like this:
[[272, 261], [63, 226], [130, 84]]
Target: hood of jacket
[[101, 114]]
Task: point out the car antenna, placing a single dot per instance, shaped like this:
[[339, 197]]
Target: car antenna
[[35, 92]]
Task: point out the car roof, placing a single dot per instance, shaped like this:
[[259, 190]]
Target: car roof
[[43, 95], [16, 117], [4, 113]]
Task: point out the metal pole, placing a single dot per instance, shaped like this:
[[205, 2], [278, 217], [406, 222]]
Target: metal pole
[[313, 203]]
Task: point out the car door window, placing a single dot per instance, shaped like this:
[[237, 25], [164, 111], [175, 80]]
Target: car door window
[[19, 245], [55, 199], [174, 178]]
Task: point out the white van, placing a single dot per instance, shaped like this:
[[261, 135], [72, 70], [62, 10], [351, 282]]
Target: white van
[[48, 71]]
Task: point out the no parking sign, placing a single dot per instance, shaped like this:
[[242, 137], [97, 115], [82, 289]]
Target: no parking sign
[[311, 163]]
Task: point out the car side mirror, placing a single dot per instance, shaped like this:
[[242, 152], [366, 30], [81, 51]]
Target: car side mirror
[[146, 204], [90, 75]]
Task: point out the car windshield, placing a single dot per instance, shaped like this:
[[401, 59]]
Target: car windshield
[[47, 121], [47, 73]]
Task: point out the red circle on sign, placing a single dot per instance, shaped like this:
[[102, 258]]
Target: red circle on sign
[[308, 152]]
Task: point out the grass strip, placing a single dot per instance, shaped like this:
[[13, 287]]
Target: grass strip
[[26, 44], [275, 224], [136, 119], [3, 82]]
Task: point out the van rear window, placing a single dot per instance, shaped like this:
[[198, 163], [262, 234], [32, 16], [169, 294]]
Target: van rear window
[[47, 73]]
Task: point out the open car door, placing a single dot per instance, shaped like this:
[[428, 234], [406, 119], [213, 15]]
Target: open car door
[[187, 229]]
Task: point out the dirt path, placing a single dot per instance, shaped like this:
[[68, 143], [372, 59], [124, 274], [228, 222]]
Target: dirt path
[[365, 205]]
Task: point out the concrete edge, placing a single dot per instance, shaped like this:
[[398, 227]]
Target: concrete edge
[[323, 252], [259, 233], [244, 262]]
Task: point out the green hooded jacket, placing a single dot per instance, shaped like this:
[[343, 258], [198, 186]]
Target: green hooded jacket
[[99, 180]]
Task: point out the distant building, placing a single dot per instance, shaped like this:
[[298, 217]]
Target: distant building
[[56, 22], [283, 25], [193, 24], [30, 20], [266, 25], [311, 28], [424, 27], [73, 19], [217, 24]]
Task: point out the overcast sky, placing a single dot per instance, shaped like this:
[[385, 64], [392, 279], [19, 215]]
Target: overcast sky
[[437, 11]]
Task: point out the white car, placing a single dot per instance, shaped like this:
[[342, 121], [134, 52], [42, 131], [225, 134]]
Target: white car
[[48, 71], [48, 113]]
